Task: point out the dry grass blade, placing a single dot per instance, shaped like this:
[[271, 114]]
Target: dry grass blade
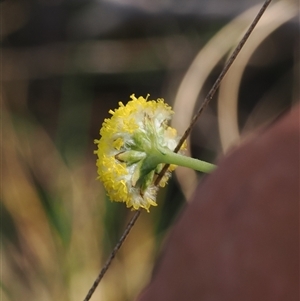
[[193, 83], [277, 15]]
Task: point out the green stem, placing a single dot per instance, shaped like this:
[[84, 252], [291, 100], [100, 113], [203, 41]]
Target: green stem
[[169, 157]]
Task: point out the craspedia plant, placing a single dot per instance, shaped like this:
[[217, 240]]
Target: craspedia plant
[[132, 150]]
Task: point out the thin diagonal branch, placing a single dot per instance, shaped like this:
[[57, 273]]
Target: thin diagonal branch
[[112, 255], [204, 104]]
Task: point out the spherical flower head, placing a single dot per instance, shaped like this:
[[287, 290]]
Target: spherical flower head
[[126, 162]]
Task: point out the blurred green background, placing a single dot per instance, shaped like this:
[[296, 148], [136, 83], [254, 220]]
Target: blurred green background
[[64, 64]]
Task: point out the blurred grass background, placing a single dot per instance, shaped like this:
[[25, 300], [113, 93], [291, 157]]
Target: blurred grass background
[[64, 64]]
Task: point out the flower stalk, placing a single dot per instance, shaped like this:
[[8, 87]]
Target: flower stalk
[[169, 157]]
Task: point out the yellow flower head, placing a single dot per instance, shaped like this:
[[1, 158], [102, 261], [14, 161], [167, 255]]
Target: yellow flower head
[[126, 164]]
